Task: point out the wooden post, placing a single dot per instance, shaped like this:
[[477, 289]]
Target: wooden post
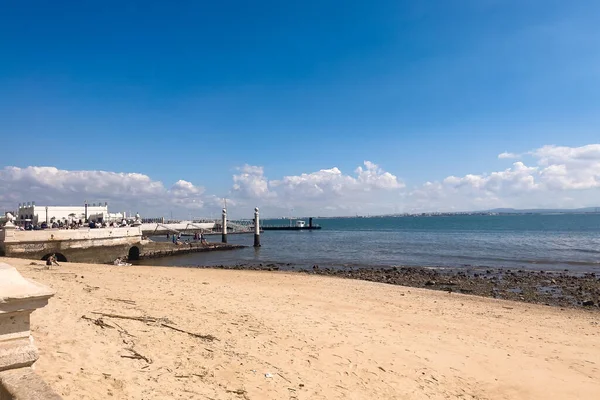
[[224, 226], [256, 228]]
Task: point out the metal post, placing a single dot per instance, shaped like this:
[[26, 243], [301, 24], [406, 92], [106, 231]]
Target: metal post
[[86, 205], [256, 228], [224, 225]]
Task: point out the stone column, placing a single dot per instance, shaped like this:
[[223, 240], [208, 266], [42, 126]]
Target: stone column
[[9, 225], [137, 221], [256, 228], [224, 226], [6, 233], [19, 297]]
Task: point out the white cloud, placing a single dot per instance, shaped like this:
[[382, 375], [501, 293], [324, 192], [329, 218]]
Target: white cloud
[[551, 154], [557, 176], [328, 190], [508, 155], [562, 177], [250, 182], [183, 188], [373, 177], [332, 182], [315, 184], [128, 191], [567, 168], [519, 178]]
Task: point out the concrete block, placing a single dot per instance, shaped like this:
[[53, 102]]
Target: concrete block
[[24, 384], [19, 297]]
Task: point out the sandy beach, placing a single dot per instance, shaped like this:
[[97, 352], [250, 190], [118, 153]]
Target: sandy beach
[[275, 335]]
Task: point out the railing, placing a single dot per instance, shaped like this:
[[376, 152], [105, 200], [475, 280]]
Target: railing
[[233, 226], [286, 226], [241, 226]]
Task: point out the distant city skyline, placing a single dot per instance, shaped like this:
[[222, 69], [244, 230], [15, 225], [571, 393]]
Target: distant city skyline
[[323, 107]]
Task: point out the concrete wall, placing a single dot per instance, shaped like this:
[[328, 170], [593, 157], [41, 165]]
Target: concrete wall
[[76, 245], [14, 235]]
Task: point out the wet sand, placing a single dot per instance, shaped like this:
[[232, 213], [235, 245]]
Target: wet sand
[[275, 335], [553, 288]]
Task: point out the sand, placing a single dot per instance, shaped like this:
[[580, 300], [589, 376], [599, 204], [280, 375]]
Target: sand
[[298, 336]]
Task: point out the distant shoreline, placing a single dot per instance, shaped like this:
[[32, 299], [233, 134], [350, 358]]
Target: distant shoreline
[[460, 213]]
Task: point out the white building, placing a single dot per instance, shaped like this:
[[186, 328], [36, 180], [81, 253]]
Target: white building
[[30, 212]]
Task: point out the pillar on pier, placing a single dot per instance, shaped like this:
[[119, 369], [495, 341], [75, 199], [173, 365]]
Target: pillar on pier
[[19, 297], [256, 228], [224, 225]]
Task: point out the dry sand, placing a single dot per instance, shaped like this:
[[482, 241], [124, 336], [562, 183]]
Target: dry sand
[[317, 337]]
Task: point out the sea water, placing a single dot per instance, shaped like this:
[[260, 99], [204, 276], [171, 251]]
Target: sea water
[[539, 242]]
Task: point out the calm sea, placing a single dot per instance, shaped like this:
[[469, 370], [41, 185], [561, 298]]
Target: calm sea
[[550, 242]]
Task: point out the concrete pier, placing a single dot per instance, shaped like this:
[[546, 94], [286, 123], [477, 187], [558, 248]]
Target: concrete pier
[[165, 249], [256, 228]]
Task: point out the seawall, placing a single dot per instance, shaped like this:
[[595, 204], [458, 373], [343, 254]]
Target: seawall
[[75, 245]]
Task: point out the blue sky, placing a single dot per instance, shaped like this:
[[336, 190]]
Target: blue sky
[[195, 90]]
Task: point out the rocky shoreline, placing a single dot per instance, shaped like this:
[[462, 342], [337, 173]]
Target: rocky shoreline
[[563, 289]]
